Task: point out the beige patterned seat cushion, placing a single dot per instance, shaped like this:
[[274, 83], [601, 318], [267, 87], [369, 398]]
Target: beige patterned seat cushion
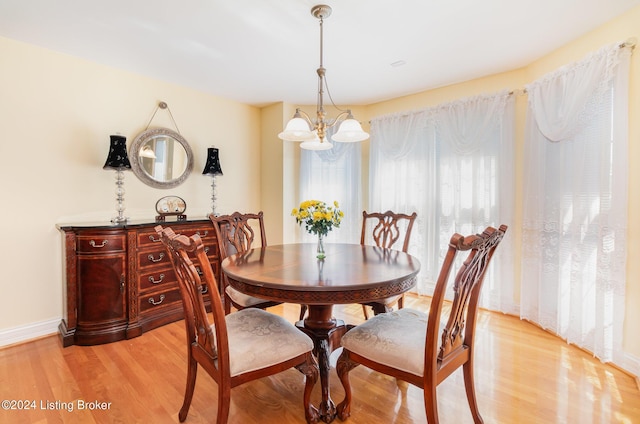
[[396, 339], [258, 339], [240, 298]]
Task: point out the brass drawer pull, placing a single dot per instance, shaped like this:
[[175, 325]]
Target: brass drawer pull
[[202, 235], [152, 259], [153, 239], [154, 281], [94, 244], [154, 303]]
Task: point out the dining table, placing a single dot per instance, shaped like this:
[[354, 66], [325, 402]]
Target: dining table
[[349, 273]]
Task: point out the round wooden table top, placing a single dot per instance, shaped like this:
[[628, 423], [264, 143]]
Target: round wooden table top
[[350, 273]]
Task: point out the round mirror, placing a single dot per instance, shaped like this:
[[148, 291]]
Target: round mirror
[[161, 158]]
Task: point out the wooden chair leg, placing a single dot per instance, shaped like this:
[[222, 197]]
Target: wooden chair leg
[[226, 302], [431, 404], [469, 385], [224, 403], [303, 311], [343, 366], [365, 312], [401, 302], [192, 372]]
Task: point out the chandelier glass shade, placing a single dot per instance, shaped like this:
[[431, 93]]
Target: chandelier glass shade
[[297, 129], [312, 132], [315, 143]]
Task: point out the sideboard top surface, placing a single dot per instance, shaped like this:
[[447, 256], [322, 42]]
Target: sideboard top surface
[[106, 225]]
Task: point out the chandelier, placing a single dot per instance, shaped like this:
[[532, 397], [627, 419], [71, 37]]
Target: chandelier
[[311, 132]]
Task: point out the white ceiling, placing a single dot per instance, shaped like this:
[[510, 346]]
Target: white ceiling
[[264, 51]]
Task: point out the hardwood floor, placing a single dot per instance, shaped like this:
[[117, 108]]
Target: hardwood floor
[[523, 375]]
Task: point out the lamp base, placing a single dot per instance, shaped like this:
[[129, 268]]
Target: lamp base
[[213, 197], [119, 220]]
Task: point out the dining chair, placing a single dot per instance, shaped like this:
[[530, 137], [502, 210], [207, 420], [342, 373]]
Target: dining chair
[[417, 347], [385, 231], [236, 234], [236, 348]]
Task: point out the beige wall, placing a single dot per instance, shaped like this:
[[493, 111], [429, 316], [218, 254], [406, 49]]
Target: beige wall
[[271, 172], [56, 115]]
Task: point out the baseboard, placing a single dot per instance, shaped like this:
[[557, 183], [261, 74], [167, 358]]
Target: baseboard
[[28, 332], [632, 366]]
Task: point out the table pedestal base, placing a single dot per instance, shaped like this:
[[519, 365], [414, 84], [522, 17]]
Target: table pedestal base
[[326, 334]]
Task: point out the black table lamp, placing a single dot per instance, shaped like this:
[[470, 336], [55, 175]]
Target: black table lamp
[[212, 167], [119, 161]]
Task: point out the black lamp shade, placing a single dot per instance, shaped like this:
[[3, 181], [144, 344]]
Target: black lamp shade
[[212, 167], [117, 158]]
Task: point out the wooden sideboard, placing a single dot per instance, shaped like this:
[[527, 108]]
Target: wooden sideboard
[[119, 281]]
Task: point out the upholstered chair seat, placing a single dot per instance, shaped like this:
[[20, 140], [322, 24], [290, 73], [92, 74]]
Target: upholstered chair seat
[[239, 298], [279, 341], [395, 339]]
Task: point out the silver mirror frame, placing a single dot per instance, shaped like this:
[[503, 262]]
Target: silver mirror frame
[[142, 139]]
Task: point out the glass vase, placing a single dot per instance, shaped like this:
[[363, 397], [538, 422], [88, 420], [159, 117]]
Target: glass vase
[[320, 251]]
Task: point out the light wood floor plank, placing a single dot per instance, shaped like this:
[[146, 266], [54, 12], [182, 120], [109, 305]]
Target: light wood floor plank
[[523, 375]]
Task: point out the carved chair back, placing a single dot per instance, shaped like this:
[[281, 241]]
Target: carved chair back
[[457, 335], [237, 233], [198, 328], [386, 228]]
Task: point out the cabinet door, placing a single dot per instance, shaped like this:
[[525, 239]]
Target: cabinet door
[[101, 289]]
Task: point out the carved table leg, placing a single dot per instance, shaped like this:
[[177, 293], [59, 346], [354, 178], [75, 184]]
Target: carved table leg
[[326, 333]]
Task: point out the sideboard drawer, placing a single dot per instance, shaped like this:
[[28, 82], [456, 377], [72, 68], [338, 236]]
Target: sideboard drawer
[[153, 258], [157, 279], [101, 243], [149, 237], [159, 300]]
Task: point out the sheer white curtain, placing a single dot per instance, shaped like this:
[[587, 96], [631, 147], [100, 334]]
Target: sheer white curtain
[[401, 160], [575, 202], [475, 165], [453, 165], [330, 175]]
